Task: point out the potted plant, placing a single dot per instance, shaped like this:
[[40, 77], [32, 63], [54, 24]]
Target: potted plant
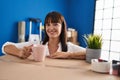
[[94, 45]]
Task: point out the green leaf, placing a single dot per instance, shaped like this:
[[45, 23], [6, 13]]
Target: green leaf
[[93, 41]]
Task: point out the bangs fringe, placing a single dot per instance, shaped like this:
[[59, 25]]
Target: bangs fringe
[[53, 19]]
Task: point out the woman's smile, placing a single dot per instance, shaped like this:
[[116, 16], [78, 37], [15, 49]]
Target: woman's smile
[[52, 31]]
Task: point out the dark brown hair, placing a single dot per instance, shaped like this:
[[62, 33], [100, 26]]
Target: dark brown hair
[[55, 17]]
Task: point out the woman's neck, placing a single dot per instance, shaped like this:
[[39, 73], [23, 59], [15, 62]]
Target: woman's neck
[[53, 42], [53, 45]]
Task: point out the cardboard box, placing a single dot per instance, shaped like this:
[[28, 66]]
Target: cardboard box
[[72, 36]]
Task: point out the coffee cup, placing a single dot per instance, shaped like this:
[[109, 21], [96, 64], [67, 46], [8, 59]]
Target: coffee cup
[[38, 52]]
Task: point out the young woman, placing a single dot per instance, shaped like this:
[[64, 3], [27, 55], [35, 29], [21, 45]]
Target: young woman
[[55, 41]]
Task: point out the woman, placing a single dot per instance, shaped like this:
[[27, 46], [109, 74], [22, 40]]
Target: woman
[[55, 41]]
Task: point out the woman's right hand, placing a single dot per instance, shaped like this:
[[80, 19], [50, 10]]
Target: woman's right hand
[[25, 52]]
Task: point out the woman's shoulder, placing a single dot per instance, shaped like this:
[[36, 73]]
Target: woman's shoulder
[[73, 47], [71, 44]]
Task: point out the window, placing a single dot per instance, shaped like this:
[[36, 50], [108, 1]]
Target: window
[[107, 23]]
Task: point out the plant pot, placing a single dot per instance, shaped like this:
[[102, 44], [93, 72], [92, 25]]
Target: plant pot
[[92, 54]]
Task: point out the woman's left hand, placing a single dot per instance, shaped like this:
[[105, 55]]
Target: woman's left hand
[[59, 55]]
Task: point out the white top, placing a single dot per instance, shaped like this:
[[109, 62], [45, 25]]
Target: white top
[[71, 47]]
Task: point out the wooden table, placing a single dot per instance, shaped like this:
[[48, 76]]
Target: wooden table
[[13, 68]]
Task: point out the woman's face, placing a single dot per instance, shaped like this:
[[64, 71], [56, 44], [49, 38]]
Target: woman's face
[[53, 30]]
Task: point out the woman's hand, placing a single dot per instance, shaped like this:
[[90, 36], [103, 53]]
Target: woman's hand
[[25, 52], [59, 55]]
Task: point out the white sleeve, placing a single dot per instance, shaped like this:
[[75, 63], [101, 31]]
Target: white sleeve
[[74, 48], [18, 45]]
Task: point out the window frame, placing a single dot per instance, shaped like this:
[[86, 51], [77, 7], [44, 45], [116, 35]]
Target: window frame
[[104, 15]]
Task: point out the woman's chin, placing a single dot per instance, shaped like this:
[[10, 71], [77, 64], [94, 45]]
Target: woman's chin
[[53, 36]]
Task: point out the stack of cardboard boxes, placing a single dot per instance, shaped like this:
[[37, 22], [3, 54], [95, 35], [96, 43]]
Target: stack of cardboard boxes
[[72, 36]]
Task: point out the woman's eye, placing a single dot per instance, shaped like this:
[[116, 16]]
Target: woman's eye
[[47, 24], [55, 24], [52, 24]]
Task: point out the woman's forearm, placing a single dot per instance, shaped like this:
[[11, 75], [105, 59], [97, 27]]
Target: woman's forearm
[[22, 53], [69, 55], [11, 49], [77, 55]]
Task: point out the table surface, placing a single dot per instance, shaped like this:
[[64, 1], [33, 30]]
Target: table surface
[[14, 68]]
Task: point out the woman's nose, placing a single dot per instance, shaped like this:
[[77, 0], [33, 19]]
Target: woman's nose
[[51, 27]]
